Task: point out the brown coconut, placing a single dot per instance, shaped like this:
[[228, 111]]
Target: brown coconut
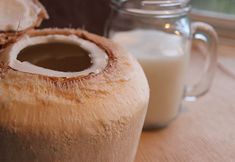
[[92, 115]]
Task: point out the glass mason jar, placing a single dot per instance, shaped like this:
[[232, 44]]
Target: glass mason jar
[[159, 34]]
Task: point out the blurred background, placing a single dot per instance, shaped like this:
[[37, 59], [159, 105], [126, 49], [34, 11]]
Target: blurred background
[[222, 6], [86, 14], [92, 14]]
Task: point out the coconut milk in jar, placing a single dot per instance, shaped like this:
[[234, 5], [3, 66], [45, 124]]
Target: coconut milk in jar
[[159, 34]]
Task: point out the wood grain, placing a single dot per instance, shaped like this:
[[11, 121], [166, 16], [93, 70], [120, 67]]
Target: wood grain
[[204, 130]]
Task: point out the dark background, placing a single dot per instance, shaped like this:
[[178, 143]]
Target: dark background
[[86, 14]]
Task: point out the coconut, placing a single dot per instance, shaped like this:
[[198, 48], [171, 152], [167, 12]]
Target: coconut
[[92, 115], [17, 17], [71, 96], [48, 50]]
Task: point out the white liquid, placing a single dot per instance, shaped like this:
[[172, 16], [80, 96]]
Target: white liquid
[[164, 62]]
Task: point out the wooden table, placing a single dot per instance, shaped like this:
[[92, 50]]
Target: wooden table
[[203, 132]]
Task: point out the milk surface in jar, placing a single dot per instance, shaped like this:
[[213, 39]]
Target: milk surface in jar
[[164, 61]]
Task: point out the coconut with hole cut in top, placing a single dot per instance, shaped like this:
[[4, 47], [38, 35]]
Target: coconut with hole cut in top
[[70, 96], [65, 95]]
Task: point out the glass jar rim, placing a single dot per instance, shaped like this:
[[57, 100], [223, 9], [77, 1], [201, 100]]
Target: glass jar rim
[[156, 8]]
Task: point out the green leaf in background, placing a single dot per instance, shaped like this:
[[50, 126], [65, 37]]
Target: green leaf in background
[[223, 6]]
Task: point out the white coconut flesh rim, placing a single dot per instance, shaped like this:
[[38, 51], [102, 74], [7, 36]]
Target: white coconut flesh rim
[[17, 15], [98, 58]]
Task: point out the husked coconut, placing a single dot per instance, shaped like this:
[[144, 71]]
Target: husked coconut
[[49, 115], [66, 95]]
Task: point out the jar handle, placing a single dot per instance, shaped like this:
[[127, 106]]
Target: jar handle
[[205, 33]]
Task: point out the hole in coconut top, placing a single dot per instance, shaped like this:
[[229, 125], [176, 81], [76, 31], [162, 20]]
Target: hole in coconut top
[[58, 56]]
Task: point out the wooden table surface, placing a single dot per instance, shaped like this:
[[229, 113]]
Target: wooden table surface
[[204, 130]]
